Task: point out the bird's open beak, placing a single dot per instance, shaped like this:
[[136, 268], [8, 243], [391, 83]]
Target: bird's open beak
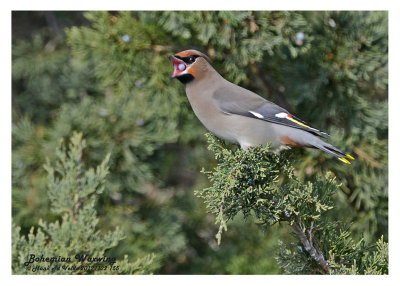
[[179, 66]]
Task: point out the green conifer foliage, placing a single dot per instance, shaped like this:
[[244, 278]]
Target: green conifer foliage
[[72, 191], [260, 184]]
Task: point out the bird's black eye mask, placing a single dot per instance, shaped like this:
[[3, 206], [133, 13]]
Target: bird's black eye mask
[[188, 60]]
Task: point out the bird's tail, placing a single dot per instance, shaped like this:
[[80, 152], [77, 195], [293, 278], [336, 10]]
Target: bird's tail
[[332, 150]]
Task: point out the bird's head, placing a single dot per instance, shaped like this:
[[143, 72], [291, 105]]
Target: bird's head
[[189, 65]]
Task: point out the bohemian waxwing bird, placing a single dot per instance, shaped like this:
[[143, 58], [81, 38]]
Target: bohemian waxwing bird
[[239, 115]]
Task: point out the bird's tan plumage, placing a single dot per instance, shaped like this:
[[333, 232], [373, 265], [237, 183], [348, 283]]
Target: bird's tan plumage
[[239, 115]]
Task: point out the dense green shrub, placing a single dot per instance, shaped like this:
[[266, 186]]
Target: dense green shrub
[[72, 191], [260, 184]]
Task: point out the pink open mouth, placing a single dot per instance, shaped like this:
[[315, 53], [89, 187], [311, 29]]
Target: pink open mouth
[[179, 66]]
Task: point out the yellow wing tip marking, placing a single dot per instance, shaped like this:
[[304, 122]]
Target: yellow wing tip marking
[[349, 157], [344, 160], [298, 122]]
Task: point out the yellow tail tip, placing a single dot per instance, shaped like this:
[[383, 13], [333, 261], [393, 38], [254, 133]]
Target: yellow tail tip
[[344, 160], [349, 157]]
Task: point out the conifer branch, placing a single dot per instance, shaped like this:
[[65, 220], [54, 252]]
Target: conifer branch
[[222, 223], [316, 254], [80, 203]]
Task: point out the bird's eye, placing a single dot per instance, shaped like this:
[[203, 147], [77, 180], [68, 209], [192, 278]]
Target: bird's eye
[[192, 59]]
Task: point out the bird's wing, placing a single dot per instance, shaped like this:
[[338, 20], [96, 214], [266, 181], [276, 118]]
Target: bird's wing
[[234, 99]]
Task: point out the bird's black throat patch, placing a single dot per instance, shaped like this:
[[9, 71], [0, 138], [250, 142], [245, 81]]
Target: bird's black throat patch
[[185, 78]]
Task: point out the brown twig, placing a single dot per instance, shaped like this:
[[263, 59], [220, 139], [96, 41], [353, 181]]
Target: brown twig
[[80, 203], [308, 245], [364, 155], [160, 48], [222, 222], [310, 232], [71, 212], [52, 22]]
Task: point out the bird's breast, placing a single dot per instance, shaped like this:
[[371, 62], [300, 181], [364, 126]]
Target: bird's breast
[[209, 114], [238, 129]]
